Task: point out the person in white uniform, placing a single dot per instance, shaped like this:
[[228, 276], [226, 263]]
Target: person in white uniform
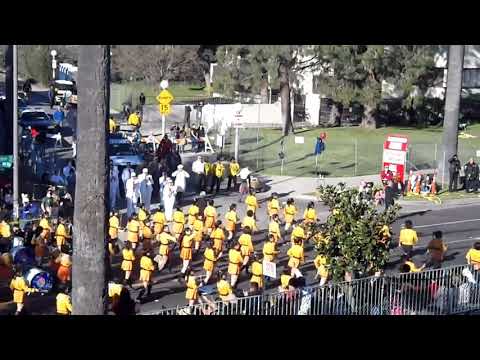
[[146, 188], [169, 193], [114, 187], [126, 174], [181, 177], [131, 194]]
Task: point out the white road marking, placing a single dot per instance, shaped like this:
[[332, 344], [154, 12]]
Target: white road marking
[[447, 223]]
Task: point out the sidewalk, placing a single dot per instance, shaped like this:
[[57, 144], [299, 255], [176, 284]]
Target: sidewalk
[[304, 188]]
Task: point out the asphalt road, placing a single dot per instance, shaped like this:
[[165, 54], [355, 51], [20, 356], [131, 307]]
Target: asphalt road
[[460, 227]]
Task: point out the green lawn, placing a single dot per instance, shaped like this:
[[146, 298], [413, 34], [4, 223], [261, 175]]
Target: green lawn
[[339, 158], [120, 92]]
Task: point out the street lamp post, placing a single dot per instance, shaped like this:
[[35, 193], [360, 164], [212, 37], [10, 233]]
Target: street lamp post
[[54, 63], [212, 65]]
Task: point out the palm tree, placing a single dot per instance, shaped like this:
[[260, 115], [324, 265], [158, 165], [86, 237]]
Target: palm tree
[[90, 260], [452, 106]]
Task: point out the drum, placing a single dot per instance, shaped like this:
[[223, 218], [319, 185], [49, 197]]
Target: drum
[[22, 255], [39, 279], [18, 241]]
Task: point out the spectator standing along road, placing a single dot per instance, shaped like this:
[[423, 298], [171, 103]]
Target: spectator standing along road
[[198, 169], [454, 169], [181, 177], [471, 176]]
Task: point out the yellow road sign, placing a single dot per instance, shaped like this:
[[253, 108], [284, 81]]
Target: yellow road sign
[[165, 97], [165, 109]]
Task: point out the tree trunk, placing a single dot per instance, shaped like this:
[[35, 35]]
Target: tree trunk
[[369, 121], [452, 108], [285, 99], [264, 92], [206, 76], [90, 261], [334, 119], [6, 140]]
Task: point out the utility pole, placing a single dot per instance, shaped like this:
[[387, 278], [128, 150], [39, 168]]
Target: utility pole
[[452, 105], [15, 135]]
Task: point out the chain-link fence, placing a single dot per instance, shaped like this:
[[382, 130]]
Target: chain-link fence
[[446, 291], [260, 149]]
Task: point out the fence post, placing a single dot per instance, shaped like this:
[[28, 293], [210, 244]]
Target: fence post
[[356, 157], [443, 169]]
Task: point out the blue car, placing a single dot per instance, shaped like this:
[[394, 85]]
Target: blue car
[[37, 119]]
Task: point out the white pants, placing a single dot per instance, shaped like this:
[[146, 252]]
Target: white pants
[[131, 206]]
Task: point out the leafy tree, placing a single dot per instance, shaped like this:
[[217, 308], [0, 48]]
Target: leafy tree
[[154, 63], [350, 238], [90, 259], [35, 61], [247, 68], [357, 73]]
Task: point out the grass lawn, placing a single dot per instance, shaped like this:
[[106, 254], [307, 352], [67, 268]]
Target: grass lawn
[[120, 92], [445, 195], [339, 159]]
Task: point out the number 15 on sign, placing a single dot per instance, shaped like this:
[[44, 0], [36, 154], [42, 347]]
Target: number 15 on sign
[[165, 109]]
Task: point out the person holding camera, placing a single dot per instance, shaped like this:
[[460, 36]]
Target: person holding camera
[[454, 170]]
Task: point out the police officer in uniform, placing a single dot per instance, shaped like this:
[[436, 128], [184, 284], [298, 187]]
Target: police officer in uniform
[[454, 170]]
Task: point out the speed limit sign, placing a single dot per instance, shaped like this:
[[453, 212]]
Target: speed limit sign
[[165, 109]]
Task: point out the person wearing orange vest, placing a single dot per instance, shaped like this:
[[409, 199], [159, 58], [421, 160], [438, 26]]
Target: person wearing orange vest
[[198, 231], [193, 211], [218, 237], [133, 231], [246, 245], [64, 272], [231, 220], [178, 223], [210, 214], [235, 264], [127, 263]]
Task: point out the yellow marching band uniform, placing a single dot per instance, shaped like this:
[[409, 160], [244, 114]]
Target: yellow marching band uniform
[[150, 229]]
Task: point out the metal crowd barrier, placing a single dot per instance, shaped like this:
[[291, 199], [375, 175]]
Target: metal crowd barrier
[[433, 292]]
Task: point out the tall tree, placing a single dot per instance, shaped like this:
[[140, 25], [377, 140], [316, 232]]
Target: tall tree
[[452, 105], [90, 260], [246, 68], [357, 73]]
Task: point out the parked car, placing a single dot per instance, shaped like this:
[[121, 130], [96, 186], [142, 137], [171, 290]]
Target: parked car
[[38, 119], [123, 152]]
